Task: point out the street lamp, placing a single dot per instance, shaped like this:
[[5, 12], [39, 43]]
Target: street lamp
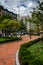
[[30, 29]]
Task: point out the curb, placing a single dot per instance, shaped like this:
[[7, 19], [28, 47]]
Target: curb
[[17, 60]]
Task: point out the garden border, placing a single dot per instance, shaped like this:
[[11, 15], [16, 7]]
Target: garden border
[[17, 60]]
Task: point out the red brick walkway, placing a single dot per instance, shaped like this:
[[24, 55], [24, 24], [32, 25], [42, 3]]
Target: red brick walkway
[[8, 50]]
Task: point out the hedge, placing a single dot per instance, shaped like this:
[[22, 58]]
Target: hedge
[[8, 39], [26, 57]]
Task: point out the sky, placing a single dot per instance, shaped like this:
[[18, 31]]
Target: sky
[[22, 7]]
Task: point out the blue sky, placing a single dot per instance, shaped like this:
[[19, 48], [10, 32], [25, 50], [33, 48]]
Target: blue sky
[[22, 7]]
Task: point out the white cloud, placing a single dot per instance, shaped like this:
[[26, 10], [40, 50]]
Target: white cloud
[[12, 5], [30, 4], [22, 10]]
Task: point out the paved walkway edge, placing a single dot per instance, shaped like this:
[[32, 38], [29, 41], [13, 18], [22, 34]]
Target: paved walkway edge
[[17, 60]]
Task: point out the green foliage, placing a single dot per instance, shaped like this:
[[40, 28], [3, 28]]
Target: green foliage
[[22, 26], [8, 39], [28, 57], [37, 17], [41, 6], [5, 16], [9, 25]]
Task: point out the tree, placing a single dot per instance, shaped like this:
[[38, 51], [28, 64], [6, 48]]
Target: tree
[[22, 27], [5, 16], [36, 20], [40, 8], [9, 25], [37, 17]]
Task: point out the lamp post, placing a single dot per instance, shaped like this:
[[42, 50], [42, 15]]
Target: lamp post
[[30, 29]]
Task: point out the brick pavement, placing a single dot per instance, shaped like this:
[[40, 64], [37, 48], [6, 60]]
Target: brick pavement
[[8, 50]]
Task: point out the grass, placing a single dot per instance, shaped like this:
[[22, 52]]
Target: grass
[[31, 53], [8, 39], [37, 50]]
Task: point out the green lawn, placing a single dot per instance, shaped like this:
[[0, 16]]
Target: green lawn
[[31, 53], [37, 50]]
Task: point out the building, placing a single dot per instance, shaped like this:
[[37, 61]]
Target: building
[[6, 11], [1, 10], [27, 23]]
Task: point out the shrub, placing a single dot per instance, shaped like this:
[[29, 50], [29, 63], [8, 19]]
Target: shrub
[[8, 39], [26, 45], [27, 57]]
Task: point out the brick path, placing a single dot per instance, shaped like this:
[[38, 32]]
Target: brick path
[[8, 50]]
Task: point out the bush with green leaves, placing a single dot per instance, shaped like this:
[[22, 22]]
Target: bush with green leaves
[[8, 39], [28, 56]]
